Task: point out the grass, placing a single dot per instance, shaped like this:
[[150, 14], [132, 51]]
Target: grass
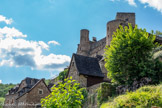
[[144, 97]]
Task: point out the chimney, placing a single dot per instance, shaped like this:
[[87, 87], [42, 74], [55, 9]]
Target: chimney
[[94, 39]]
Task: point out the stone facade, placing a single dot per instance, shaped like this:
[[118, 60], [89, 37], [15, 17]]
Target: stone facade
[[27, 99]]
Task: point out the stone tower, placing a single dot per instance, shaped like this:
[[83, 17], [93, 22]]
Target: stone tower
[[84, 46], [121, 19]]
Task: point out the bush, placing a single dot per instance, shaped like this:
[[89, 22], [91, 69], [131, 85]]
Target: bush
[[129, 56], [145, 97], [105, 90], [66, 95], [1, 102]]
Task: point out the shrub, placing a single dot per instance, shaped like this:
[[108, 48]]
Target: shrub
[[66, 95], [105, 90], [1, 102], [145, 97]]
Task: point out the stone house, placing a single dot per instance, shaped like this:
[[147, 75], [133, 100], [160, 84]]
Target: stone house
[[87, 65], [27, 94]]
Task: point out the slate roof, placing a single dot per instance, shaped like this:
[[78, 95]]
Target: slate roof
[[30, 83], [88, 65]]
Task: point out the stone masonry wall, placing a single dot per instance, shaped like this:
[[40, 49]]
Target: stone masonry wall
[[33, 97], [75, 75], [97, 48], [10, 101]]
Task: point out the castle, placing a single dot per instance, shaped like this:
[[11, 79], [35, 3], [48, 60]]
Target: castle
[[87, 65]]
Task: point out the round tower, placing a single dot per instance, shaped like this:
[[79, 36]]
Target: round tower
[[84, 46], [111, 28]]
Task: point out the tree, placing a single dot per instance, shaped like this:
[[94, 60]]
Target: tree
[[158, 32], [62, 75], [129, 56], [66, 95]]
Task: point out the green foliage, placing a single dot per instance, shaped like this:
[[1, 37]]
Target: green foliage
[[85, 94], [1, 102], [62, 75], [47, 81], [4, 89], [65, 95], [129, 56], [157, 56], [158, 32], [157, 53], [145, 97], [105, 90]]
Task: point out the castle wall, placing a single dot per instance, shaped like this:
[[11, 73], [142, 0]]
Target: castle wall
[[103, 69], [97, 48], [127, 17]]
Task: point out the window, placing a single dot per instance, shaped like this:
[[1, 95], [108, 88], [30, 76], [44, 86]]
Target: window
[[126, 19], [40, 91], [38, 106], [72, 63]]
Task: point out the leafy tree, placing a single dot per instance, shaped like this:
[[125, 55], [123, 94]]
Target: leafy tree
[[65, 95], [62, 75], [158, 32], [4, 89], [129, 56], [47, 81], [157, 56]]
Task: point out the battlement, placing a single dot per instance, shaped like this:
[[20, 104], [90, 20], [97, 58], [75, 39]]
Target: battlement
[[127, 17]]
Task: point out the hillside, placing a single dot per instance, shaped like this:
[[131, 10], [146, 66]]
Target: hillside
[[144, 97], [4, 89]]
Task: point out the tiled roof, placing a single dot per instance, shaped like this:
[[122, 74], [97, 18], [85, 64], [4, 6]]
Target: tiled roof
[[87, 65]]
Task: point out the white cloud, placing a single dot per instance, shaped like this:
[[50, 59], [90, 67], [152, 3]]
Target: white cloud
[[157, 4], [4, 19], [10, 32], [53, 42], [131, 2], [0, 81], [43, 45], [21, 52]]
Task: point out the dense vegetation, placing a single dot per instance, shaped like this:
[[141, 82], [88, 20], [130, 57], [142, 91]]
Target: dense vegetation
[[62, 75], [66, 95], [4, 89], [1, 102], [158, 33], [129, 56], [145, 97]]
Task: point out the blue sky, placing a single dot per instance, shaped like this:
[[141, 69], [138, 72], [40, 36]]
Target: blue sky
[[38, 37]]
